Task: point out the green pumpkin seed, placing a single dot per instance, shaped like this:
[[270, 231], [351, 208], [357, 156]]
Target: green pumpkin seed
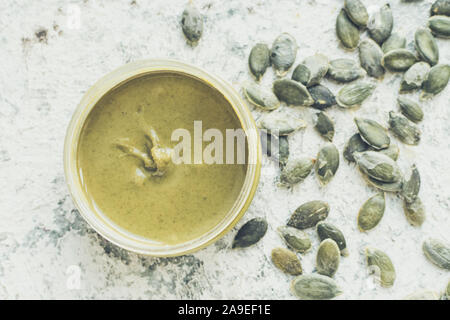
[[315, 287], [437, 252], [380, 24], [440, 26], [280, 123], [378, 166], [398, 60], [370, 56], [250, 233], [312, 70], [292, 92], [327, 163], [404, 129], [259, 60], [440, 7], [380, 264], [328, 231], [411, 185], [436, 80], [283, 53], [346, 31], [322, 96], [353, 95], [357, 12], [325, 126], [287, 261], [296, 171], [354, 144], [295, 239], [345, 70], [192, 23], [414, 212], [410, 109], [371, 212], [309, 214], [415, 76], [264, 99], [301, 74], [426, 46], [392, 151], [373, 133], [384, 186], [395, 41], [328, 258], [423, 295]]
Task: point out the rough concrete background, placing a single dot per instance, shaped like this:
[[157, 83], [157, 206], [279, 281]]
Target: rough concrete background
[[53, 51]]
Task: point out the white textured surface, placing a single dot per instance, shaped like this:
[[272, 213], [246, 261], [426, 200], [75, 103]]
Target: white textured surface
[[41, 82]]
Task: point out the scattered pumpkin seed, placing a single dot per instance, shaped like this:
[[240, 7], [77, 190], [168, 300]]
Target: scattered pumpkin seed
[[371, 212], [296, 171], [264, 99], [309, 214], [380, 264], [384, 186], [437, 252], [259, 60], [353, 95], [328, 258], [436, 80], [411, 185], [347, 31], [378, 166], [357, 12], [345, 70], [192, 23], [373, 133], [315, 287], [422, 295], [325, 126], [380, 24], [415, 76], [287, 261], [312, 70], [327, 163], [322, 96], [426, 46], [440, 7], [371, 56], [354, 144], [414, 212], [295, 239], [398, 60], [440, 26], [395, 41], [326, 230], [392, 151], [301, 74], [280, 123], [404, 129], [410, 109], [250, 233], [292, 92], [283, 53]]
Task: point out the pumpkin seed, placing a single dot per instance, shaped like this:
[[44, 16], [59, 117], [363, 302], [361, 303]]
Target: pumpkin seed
[[398, 60], [371, 212], [287, 261], [261, 98], [404, 129], [328, 258], [322, 96], [440, 7], [315, 287], [380, 264], [380, 24], [192, 23], [345, 70], [295, 239], [437, 252], [325, 126], [283, 53], [436, 80], [327, 163], [259, 60], [357, 12], [415, 76], [392, 151], [250, 233], [280, 123], [328, 231], [414, 212], [373, 133], [384, 186], [410, 109], [296, 171], [292, 92], [411, 186], [353, 95], [370, 56], [312, 70], [378, 166], [426, 46], [309, 214], [423, 295], [440, 26], [395, 41], [346, 31], [354, 144]]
